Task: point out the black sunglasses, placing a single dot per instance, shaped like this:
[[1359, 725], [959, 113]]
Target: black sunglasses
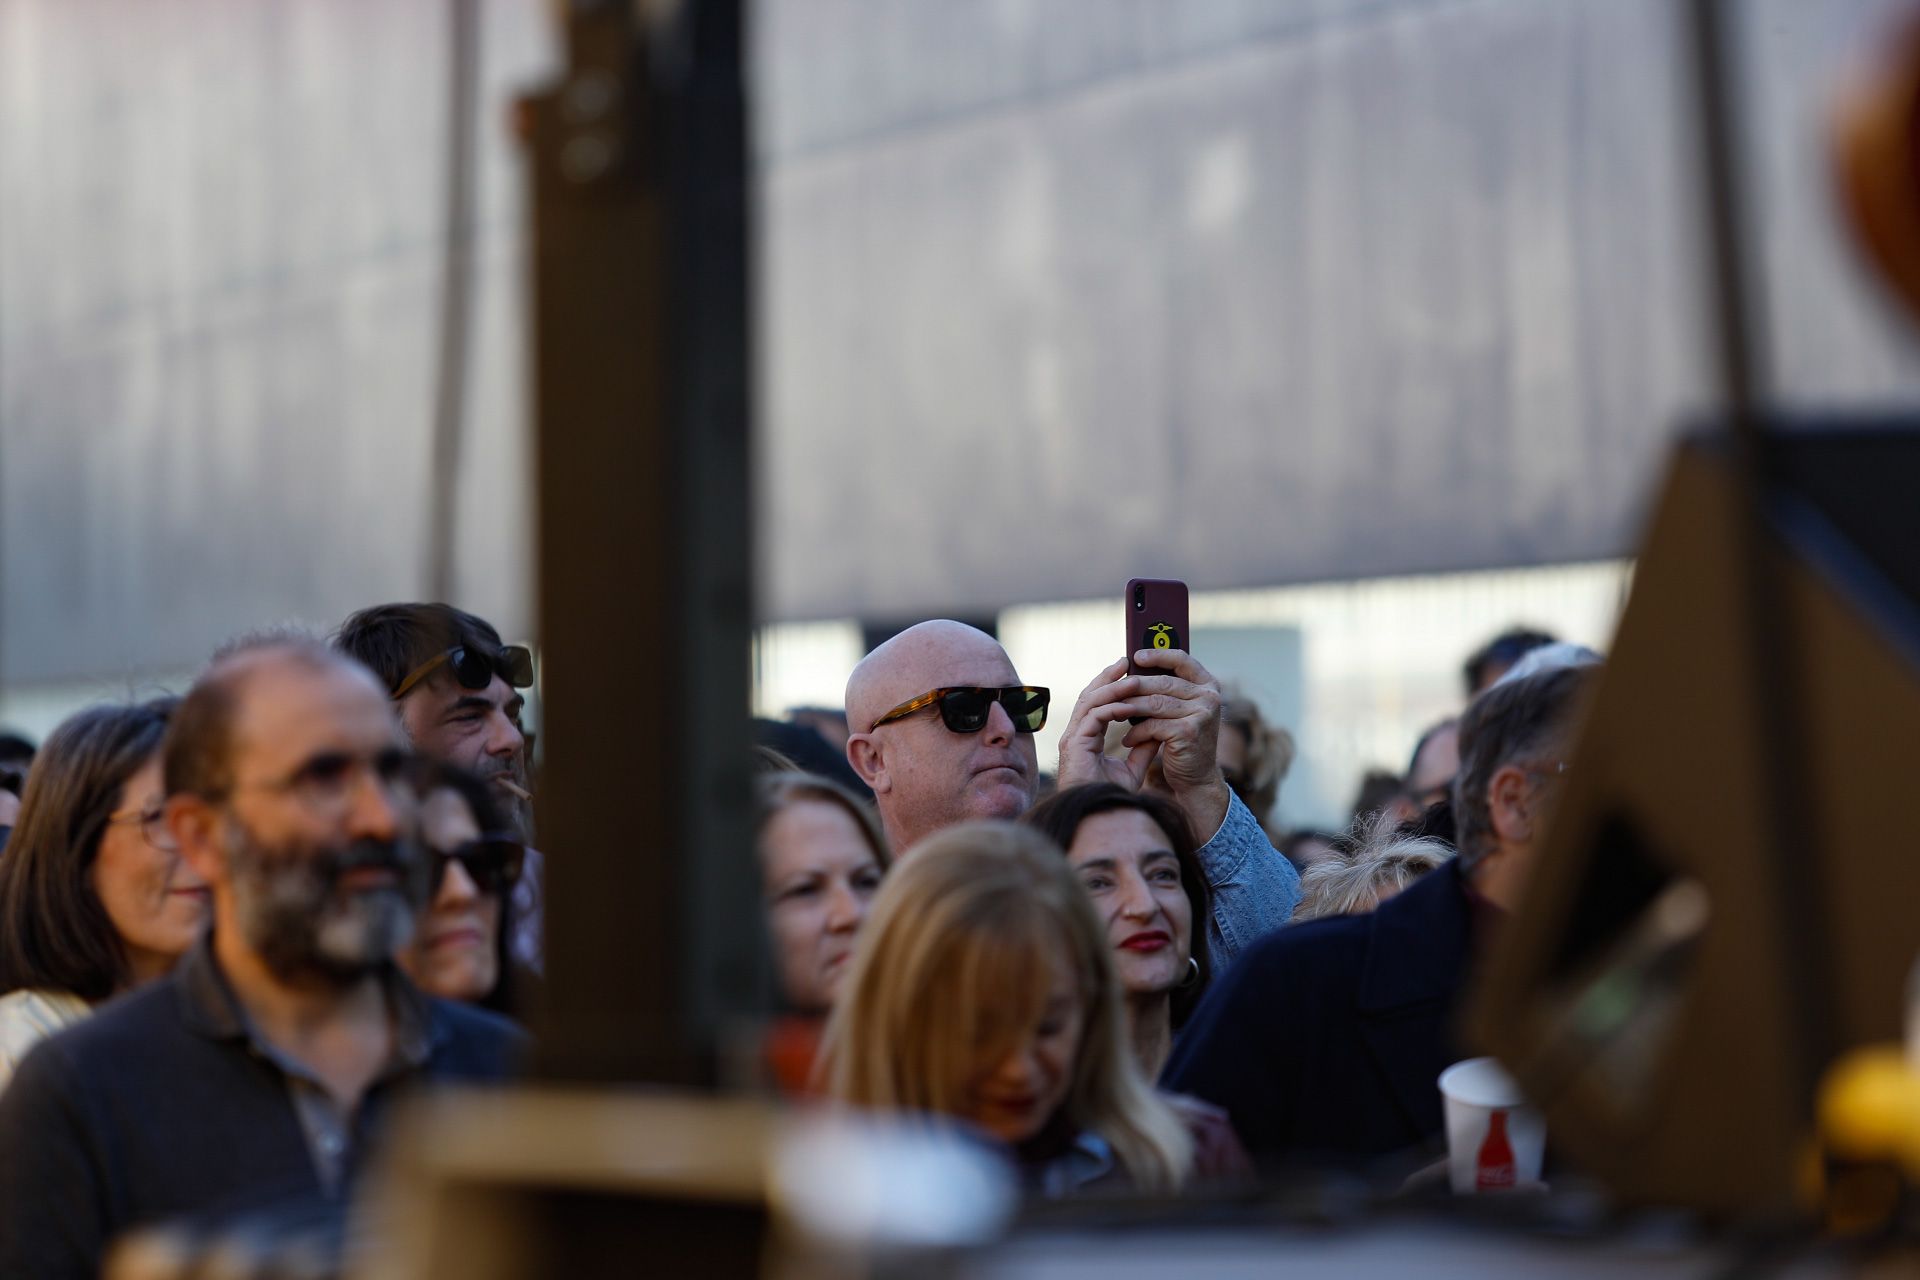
[[475, 668], [493, 863], [965, 709]]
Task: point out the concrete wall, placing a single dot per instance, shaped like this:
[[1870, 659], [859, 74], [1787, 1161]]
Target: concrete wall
[[220, 232], [1258, 292], [1055, 292]]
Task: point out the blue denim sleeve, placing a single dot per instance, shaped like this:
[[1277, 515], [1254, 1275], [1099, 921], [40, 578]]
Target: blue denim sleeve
[[1254, 887]]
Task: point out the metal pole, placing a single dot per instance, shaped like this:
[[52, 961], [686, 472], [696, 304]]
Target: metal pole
[[456, 291]]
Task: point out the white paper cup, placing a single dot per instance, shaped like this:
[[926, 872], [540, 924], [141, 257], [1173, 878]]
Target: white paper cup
[[1473, 1090]]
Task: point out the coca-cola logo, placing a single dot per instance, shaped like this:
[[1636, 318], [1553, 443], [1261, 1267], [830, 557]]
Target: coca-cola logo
[[1494, 1168]]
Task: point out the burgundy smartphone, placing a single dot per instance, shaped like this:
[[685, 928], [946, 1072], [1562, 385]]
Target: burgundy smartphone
[[1156, 616]]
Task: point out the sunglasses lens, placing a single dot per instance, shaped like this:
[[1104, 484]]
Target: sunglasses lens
[[516, 665], [470, 669], [1027, 708], [965, 710], [492, 865]]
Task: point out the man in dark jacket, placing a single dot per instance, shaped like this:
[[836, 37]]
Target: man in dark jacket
[[261, 1068], [1325, 1041]]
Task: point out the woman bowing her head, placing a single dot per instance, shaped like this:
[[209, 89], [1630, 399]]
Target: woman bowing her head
[[983, 993]]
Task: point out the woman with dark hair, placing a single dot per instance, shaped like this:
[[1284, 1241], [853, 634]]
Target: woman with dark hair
[[460, 948], [1133, 852], [94, 897]]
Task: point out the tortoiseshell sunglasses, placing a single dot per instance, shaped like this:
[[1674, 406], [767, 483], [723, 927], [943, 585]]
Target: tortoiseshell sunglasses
[[965, 709]]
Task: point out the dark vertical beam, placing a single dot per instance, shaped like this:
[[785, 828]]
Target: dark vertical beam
[[641, 352]]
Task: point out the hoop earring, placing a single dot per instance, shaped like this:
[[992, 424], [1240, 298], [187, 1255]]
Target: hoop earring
[[1192, 979]]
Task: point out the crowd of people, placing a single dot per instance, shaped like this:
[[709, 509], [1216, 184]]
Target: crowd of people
[[235, 924]]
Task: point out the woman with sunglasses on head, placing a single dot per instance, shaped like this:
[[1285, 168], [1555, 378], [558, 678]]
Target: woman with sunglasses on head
[[460, 943], [821, 859], [94, 897], [1134, 854], [983, 994]]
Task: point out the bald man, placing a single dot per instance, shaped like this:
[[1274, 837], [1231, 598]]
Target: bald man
[[948, 759], [943, 733]]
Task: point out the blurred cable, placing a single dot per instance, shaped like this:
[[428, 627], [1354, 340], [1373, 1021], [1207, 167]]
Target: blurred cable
[[456, 296]]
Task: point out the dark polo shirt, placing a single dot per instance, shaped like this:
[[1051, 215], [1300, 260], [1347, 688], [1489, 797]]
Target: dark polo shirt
[[165, 1104]]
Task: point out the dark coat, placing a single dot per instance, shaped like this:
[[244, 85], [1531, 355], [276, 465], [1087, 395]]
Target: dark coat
[[1326, 1039]]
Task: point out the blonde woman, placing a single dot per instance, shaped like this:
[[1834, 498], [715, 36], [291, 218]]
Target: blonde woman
[[983, 990]]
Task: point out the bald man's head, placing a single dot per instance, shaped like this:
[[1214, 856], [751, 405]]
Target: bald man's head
[[924, 776], [200, 741]]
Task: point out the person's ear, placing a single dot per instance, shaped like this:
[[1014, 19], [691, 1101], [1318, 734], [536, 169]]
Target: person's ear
[[869, 761], [1510, 804], [195, 825]]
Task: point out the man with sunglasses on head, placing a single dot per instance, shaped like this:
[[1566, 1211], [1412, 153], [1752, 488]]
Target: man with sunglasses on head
[[457, 689], [257, 1074]]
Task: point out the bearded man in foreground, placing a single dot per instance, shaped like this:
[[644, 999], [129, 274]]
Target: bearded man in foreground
[[259, 1072]]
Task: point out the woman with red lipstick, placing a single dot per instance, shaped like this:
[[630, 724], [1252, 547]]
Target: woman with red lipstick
[[983, 991], [460, 942], [94, 899], [1133, 853]]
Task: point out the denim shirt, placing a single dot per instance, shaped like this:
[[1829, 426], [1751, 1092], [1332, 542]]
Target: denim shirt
[[1253, 884]]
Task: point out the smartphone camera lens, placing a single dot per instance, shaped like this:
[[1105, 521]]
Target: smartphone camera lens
[[1139, 599]]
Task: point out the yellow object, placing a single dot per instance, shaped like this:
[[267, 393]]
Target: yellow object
[[1870, 1108], [1868, 1151]]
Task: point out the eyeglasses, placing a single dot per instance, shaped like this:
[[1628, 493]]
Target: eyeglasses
[[475, 668], [965, 710], [492, 862], [153, 826], [326, 782]]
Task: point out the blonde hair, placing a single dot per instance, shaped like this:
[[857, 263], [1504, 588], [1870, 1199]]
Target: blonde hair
[[950, 960], [1351, 884]]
